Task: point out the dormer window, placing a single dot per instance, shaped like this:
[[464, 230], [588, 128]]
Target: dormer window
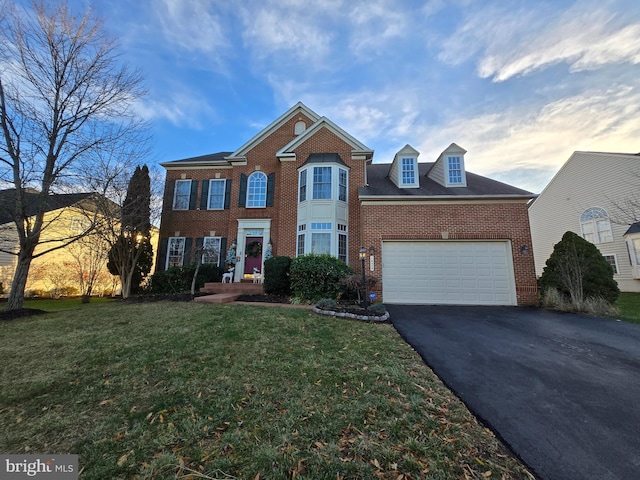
[[404, 169], [408, 174], [454, 170]]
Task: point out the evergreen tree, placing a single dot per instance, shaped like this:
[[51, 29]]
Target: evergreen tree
[[131, 255], [577, 269]]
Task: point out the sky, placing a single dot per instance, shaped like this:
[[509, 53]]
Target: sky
[[520, 85]]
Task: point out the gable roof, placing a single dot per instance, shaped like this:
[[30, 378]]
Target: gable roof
[[54, 202], [324, 122], [380, 186], [634, 228], [297, 109], [576, 156], [202, 160]]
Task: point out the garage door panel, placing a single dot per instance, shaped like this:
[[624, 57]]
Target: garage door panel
[[448, 272]]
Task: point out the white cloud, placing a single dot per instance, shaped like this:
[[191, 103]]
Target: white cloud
[[291, 27], [192, 25], [374, 24], [184, 109], [504, 145], [511, 43]]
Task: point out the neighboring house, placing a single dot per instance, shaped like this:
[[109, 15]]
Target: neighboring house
[[433, 232], [595, 195], [67, 215]]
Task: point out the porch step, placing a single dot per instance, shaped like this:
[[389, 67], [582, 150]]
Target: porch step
[[217, 298], [241, 288]]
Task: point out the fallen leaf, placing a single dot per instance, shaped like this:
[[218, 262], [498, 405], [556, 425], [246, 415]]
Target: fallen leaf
[[123, 459]]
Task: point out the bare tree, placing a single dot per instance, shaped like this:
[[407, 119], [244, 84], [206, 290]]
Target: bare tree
[[65, 100], [89, 260]]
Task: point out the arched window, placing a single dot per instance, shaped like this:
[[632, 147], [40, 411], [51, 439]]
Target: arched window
[[257, 190], [595, 225]]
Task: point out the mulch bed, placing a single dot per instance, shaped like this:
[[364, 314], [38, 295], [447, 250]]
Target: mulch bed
[[159, 297], [264, 298]]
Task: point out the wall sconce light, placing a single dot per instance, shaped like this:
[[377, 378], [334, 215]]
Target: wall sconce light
[[372, 250], [524, 250]]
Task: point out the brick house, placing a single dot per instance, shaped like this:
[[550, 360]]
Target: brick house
[[433, 232]]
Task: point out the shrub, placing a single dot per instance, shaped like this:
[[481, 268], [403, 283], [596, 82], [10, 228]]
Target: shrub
[[178, 279], [353, 285], [317, 276], [326, 304], [377, 309], [578, 271], [276, 276], [554, 300]]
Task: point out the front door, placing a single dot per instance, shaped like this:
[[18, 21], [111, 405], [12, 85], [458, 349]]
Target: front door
[[252, 255]]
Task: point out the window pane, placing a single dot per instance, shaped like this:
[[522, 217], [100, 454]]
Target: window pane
[[257, 190], [216, 194], [300, 249], [211, 253], [587, 232], [175, 252], [303, 186], [320, 243], [604, 230], [611, 259], [636, 250], [342, 247], [321, 183], [342, 185], [181, 195], [455, 170], [408, 171]]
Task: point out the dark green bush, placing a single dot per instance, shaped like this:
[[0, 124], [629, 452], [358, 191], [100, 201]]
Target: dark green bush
[[578, 271], [178, 279], [317, 276], [326, 304], [377, 309], [276, 276]]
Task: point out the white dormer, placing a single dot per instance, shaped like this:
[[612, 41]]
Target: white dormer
[[448, 170], [404, 169]]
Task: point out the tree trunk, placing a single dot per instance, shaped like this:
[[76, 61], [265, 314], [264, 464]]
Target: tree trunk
[[16, 296]]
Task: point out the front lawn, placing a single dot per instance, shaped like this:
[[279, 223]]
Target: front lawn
[[163, 390], [629, 305]]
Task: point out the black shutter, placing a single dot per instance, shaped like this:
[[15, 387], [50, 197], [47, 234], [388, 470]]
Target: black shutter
[[271, 180], [223, 251], [242, 197], [204, 195], [188, 254], [194, 195], [162, 255], [227, 194], [169, 189]]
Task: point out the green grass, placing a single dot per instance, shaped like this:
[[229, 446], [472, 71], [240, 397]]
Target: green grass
[[54, 304], [167, 389], [629, 305]]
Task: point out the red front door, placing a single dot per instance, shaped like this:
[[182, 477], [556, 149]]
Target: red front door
[[253, 255]]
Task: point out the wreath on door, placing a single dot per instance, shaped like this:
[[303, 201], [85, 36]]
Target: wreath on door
[[254, 249]]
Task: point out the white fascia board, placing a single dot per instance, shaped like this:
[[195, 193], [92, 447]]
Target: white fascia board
[[359, 148], [194, 165], [265, 132], [446, 198]]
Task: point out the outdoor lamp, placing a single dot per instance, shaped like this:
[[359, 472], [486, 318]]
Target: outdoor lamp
[[363, 256]]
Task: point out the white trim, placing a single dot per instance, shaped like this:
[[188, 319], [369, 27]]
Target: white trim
[[297, 109], [323, 122], [245, 224]]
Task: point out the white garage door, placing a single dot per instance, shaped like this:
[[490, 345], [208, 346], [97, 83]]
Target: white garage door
[[450, 272]]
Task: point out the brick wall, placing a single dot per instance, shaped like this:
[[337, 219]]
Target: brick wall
[[460, 221]]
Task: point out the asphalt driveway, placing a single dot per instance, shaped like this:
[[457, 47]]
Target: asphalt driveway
[[562, 390]]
